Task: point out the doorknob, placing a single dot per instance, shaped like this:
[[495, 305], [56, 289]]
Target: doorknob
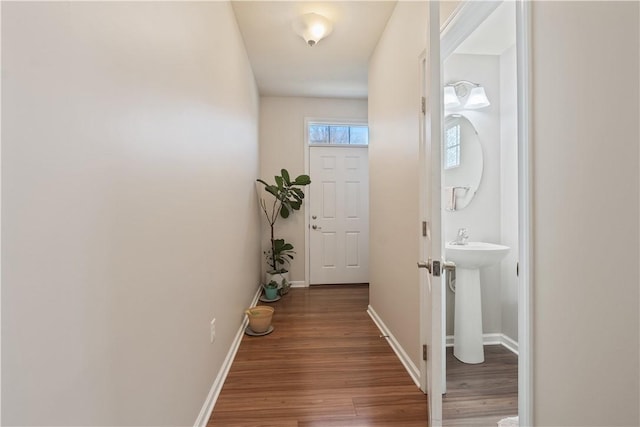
[[314, 217], [449, 265], [426, 265], [315, 227]]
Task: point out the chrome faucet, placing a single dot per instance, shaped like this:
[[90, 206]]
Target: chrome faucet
[[462, 237]]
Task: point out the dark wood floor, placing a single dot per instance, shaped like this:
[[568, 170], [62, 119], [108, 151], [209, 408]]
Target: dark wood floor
[[325, 365], [483, 394]]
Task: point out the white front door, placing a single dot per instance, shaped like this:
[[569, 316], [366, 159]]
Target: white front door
[[338, 215]]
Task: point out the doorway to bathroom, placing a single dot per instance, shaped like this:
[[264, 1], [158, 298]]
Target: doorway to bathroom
[[484, 215]]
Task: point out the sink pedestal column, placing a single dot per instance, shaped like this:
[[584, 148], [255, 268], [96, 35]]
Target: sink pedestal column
[[467, 342]]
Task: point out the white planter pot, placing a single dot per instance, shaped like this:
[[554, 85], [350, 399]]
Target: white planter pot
[[277, 277]]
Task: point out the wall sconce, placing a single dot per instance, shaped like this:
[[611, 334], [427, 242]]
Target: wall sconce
[[475, 94], [312, 28]]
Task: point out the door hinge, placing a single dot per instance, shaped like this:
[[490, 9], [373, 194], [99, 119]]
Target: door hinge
[[424, 228], [424, 352], [423, 104]]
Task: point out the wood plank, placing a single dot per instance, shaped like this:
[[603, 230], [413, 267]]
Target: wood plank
[[325, 364], [362, 422], [482, 394]]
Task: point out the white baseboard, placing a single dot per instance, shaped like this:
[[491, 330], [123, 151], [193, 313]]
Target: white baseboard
[[493, 339], [510, 344], [299, 284], [216, 388], [411, 368]]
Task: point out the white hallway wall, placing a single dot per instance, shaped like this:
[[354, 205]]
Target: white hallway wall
[[394, 100], [585, 96], [282, 144], [123, 125]]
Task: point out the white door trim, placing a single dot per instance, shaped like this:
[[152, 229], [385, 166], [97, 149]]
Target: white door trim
[[525, 223], [307, 146]]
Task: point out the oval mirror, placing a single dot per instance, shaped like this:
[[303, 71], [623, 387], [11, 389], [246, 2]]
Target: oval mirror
[[462, 162]]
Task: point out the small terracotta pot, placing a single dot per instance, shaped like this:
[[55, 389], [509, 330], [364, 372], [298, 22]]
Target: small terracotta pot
[[259, 318]]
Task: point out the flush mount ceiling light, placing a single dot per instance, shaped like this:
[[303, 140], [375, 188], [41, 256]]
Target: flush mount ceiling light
[[312, 28], [474, 93]]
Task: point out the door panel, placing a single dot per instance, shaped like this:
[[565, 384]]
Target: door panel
[[430, 196], [339, 215]]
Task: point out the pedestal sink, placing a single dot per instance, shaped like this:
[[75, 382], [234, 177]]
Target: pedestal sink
[[469, 259]]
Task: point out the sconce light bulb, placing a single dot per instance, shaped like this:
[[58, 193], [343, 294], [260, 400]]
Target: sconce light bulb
[[477, 98], [450, 97]]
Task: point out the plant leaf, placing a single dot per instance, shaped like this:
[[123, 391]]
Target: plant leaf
[[279, 182], [271, 189], [285, 176], [302, 180]]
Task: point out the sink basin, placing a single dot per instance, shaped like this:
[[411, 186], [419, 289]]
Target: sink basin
[[475, 254]]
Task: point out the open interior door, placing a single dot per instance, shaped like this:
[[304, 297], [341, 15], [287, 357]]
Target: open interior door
[[431, 246]]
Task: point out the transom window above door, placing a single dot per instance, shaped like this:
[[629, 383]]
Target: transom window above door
[[338, 134]]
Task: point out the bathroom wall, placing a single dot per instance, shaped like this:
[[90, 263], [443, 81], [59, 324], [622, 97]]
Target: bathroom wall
[[509, 192], [482, 216]]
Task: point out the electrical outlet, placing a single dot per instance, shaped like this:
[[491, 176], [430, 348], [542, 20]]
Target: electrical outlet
[[212, 330]]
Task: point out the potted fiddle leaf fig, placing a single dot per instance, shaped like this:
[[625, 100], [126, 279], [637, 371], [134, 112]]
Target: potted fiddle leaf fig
[[286, 197]]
